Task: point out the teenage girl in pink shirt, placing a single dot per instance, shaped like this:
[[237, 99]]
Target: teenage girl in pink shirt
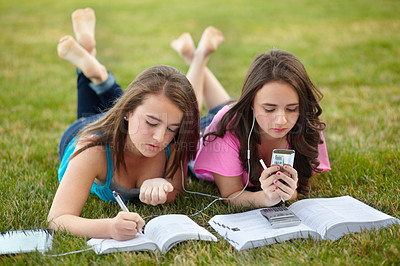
[[278, 109]]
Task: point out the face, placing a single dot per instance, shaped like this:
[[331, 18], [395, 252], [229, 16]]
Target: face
[[276, 108], [153, 125]]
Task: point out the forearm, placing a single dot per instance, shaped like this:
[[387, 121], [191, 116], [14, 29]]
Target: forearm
[[98, 228], [248, 198]]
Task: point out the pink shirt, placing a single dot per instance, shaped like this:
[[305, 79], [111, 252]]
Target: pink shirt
[[221, 155]]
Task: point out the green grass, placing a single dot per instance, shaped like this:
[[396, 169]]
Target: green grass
[[351, 50]]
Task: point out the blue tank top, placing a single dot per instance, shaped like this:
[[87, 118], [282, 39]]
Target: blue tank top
[[102, 191]]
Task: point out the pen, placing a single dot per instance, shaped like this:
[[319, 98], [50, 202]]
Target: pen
[[120, 201], [265, 167], [263, 164]]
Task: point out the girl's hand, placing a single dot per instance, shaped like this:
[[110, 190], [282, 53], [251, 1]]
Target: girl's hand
[[277, 181], [155, 191], [288, 176], [126, 225]]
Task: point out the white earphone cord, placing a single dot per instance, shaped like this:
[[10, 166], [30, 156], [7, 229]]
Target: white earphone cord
[[216, 197]]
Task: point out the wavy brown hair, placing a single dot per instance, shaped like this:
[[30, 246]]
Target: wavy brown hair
[[112, 128], [304, 137]]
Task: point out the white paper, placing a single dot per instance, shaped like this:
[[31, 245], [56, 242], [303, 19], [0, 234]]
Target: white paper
[[22, 241], [326, 214]]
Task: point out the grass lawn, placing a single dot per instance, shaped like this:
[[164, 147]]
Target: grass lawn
[[351, 49]]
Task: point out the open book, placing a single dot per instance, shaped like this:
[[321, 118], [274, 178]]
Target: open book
[[160, 234], [321, 218]]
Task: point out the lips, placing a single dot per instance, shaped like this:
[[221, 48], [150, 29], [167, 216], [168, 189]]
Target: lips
[[153, 147], [279, 130]]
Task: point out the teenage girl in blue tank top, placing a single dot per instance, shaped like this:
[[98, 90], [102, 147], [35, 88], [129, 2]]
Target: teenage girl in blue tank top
[[137, 142], [134, 142]]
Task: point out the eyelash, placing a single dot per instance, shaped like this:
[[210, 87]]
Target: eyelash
[[151, 124], [154, 125], [171, 130], [288, 109]]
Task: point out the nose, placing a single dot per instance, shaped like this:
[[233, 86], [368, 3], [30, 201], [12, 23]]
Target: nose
[[280, 118], [159, 134]]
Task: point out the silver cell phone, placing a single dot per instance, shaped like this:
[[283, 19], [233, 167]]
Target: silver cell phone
[[280, 217], [281, 157]]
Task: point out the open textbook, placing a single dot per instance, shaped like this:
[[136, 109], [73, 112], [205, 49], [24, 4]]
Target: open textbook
[[321, 218], [160, 234]]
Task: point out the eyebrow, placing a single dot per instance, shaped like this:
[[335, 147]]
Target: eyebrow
[[159, 120], [271, 104]]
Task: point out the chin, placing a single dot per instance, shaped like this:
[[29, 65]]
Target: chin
[[277, 135], [150, 154]]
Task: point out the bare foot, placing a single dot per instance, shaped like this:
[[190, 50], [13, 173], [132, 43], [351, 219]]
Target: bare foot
[[84, 21], [185, 47], [69, 50], [210, 40]]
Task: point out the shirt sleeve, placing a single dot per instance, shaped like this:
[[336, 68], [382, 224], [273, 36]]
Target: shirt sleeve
[[221, 156], [323, 155]]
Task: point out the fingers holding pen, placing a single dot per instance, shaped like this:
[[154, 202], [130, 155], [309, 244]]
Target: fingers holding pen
[[268, 181], [138, 220], [286, 182], [279, 181], [269, 172], [283, 179], [291, 172], [126, 225]]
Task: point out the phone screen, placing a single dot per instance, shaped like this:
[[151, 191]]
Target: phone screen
[[282, 157]]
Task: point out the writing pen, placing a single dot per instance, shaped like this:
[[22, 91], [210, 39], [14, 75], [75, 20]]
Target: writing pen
[[123, 206], [265, 167], [120, 201]]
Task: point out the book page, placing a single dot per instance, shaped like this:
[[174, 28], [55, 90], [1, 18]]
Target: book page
[[22, 241], [324, 214], [251, 229], [139, 243], [168, 230]]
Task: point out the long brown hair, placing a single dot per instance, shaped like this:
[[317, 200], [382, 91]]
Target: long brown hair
[[304, 137], [112, 128]]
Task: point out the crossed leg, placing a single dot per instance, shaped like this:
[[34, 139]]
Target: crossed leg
[[69, 50], [205, 84], [97, 89], [83, 23], [82, 52]]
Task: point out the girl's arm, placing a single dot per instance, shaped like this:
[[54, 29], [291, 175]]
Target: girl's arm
[[72, 195], [231, 186], [271, 183]]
